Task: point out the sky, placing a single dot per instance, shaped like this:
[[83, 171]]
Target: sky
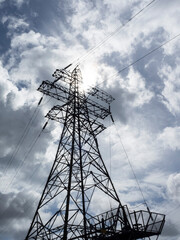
[[38, 37]]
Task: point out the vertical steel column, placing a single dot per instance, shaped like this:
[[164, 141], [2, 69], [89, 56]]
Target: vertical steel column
[[71, 164], [81, 166]]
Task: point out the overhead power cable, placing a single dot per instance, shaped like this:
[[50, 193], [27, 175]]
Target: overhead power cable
[[172, 211], [25, 157], [26, 130], [144, 56], [147, 54], [27, 205], [129, 162], [117, 30]]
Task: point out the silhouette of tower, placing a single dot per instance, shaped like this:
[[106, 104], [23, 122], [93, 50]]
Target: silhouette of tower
[[79, 186]]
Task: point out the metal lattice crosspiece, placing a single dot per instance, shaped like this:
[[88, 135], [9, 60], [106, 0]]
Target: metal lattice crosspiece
[[79, 186]]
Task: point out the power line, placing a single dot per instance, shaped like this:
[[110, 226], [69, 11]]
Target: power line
[[22, 163], [111, 34], [153, 50], [147, 54], [26, 130], [144, 56], [129, 162], [25, 157], [26, 204], [174, 209], [20, 166]]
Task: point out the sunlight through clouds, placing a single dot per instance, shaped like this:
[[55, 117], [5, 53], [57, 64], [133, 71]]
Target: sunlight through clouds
[[38, 37]]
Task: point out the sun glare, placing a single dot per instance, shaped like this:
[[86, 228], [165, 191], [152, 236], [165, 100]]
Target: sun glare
[[89, 75]]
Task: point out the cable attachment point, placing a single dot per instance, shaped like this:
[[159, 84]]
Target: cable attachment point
[[40, 101], [45, 125], [111, 114]]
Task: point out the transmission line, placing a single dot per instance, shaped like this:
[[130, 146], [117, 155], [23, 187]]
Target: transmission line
[[25, 157], [117, 30], [26, 205], [129, 162], [147, 54], [144, 56], [26, 131], [174, 209], [21, 165]]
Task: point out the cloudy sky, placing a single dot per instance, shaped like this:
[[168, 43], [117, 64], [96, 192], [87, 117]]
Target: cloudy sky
[[37, 37]]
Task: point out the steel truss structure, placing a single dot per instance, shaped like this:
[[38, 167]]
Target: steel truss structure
[[79, 186]]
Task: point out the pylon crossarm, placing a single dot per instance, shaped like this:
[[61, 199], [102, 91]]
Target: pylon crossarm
[[100, 94], [62, 93], [56, 91], [96, 109], [79, 180], [63, 75], [56, 113]]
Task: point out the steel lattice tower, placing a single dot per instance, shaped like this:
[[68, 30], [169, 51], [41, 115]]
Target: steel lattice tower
[[78, 178]]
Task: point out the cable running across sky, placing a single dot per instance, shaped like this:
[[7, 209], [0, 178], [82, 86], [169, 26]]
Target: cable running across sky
[[117, 30], [139, 59]]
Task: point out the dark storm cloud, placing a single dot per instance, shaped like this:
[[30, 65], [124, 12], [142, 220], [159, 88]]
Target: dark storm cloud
[[4, 39], [20, 131], [170, 230], [15, 208], [121, 107], [20, 166], [13, 127]]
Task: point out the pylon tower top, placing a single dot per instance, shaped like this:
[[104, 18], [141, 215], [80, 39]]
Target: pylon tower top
[[79, 200]]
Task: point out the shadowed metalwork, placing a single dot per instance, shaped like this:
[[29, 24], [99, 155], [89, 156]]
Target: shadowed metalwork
[[79, 186]]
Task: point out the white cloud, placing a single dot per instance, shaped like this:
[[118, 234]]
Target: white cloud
[[33, 56], [31, 39], [170, 75], [156, 177], [10, 95], [140, 145], [170, 138], [135, 83], [6, 85], [19, 3], [173, 186], [15, 23], [14, 206]]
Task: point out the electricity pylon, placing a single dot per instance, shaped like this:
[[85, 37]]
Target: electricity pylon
[[79, 186]]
